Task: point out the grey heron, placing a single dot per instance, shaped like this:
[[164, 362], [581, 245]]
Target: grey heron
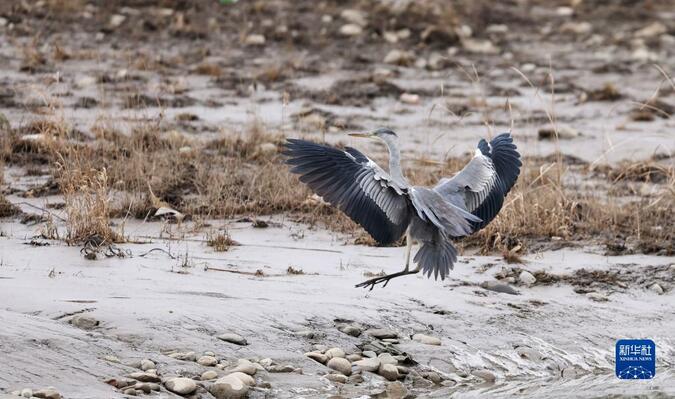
[[387, 206]]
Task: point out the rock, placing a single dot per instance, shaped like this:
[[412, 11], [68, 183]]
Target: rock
[[498, 29], [84, 322], [116, 20], [188, 356], [409, 98], [341, 365], [652, 30], [245, 378], [354, 357], [487, 375], [319, 357], [564, 11], [228, 387], [527, 278], [382, 333], [232, 337], [398, 57], [563, 132], [369, 364], [597, 297], [245, 367], [147, 364], [403, 370], [499, 287], [286, 368], [26, 393], [390, 37], [143, 387], [47, 393], [120, 383], [334, 352], [436, 61], [111, 358], [528, 353], [144, 376], [208, 375], [388, 371], [319, 348], [180, 385], [354, 16], [254, 40], [130, 392], [386, 358], [339, 378], [656, 288], [433, 377], [396, 390], [479, 46], [351, 30], [577, 28], [369, 354], [426, 339], [208, 361], [350, 330]]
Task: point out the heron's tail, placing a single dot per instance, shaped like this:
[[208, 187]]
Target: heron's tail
[[437, 257]]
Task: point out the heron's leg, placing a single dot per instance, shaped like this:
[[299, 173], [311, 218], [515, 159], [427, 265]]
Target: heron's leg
[[385, 279]]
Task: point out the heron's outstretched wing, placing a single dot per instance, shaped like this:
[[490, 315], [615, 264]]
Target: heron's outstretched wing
[[355, 184], [486, 180]]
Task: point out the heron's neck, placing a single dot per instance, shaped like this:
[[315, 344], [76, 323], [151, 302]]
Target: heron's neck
[[395, 170]]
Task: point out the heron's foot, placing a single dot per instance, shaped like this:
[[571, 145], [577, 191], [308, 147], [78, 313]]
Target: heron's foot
[[383, 279]]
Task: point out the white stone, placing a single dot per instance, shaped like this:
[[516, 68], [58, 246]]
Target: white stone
[[479, 46], [389, 371], [208, 375], [232, 337], [319, 357], [527, 278], [369, 364], [334, 352], [410, 98], [656, 288], [426, 339], [652, 30], [181, 385], [386, 358], [254, 40], [245, 378], [208, 361], [351, 30], [341, 365], [228, 387], [354, 16], [398, 57]]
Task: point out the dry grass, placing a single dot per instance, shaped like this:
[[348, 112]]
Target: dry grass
[[220, 242], [243, 175]]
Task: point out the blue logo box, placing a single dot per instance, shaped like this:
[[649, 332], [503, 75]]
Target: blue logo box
[[635, 359]]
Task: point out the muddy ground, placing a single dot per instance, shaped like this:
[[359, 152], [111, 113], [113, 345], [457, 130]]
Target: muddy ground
[[595, 74]]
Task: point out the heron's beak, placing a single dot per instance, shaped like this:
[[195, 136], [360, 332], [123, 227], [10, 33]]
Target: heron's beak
[[366, 135]]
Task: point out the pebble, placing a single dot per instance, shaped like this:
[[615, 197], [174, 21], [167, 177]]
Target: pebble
[[426, 339], [245, 378], [382, 333], [47, 393], [409, 98], [403, 370], [84, 322], [499, 287], [319, 357], [656, 288], [398, 57], [339, 378], [652, 30], [147, 364], [228, 387], [369, 364], [436, 61], [351, 30], [354, 357], [487, 375], [244, 366], [597, 297], [335, 352], [287, 368], [527, 278], [208, 361], [479, 46], [396, 390], [130, 392], [369, 354], [116, 20], [350, 330], [386, 358], [254, 40], [180, 385], [111, 358], [341, 365], [389, 371], [528, 353], [232, 337], [433, 377], [354, 16], [143, 387], [188, 356], [144, 376], [208, 375], [319, 348], [577, 28]]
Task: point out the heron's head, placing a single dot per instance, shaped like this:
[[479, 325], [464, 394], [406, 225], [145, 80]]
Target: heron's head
[[382, 133]]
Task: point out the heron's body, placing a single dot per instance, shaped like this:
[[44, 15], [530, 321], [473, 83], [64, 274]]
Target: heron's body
[[388, 207]]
